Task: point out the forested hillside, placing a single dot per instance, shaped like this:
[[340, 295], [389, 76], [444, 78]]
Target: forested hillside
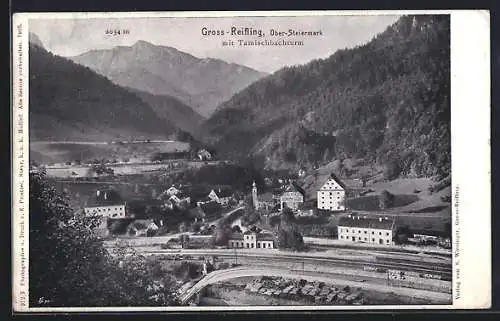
[[71, 102], [387, 101], [173, 110]]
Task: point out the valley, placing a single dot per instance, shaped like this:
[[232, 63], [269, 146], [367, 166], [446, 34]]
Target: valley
[[324, 183]]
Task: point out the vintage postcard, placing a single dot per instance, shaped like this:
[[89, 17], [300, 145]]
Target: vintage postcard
[[194, 161]]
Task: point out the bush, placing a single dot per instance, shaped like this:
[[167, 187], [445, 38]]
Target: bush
[[187, 271], [220, 237], [392, 169], [70, 267], [289, 238], [386, 200]]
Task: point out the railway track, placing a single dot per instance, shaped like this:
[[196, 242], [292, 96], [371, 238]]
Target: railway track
[[445, 271]]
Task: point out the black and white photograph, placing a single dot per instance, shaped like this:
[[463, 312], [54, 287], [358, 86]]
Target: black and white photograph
[[239, 162]]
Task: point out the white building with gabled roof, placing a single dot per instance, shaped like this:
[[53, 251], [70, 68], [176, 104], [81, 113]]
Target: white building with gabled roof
[[332, 195], [106, 203]]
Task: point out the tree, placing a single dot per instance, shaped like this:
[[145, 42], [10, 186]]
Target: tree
[[184, 238], [289, 238], [70, 267], [287, 216], [392, 169], [101, 169], [196, 227], [183, 227], [220, 237], [386, 200], [236, 229]]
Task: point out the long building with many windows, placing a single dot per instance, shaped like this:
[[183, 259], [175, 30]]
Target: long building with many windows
[[373, 230]]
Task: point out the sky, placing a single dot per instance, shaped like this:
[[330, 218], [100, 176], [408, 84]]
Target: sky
[[70, 37]]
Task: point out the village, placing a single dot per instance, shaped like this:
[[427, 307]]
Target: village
[[209, 207], [213, 223]]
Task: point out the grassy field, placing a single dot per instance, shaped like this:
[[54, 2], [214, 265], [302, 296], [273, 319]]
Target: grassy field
[[414, 205], [60, 152]]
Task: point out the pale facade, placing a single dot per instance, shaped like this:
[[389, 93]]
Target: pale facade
[[332, 195], [251, 240], [172, 191], [113, 211], [292, 197], [222, 200], [373, 231]]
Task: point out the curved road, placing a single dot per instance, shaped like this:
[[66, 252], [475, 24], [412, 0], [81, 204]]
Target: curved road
[[223, 275]]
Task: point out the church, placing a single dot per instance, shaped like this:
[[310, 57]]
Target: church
[[264, 201]]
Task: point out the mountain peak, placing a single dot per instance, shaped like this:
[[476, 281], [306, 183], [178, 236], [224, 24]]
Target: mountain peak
[[143, 43], [35, 40], [161, 70]]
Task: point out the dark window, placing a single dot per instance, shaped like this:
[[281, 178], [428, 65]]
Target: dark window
[[381, 241], [387, 234], [258, 245], [373, 240]]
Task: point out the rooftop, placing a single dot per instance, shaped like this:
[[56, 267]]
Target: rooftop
[[223, 192], [294, 187], [338, 180], [366, 222], [105, 197], [262, 236]]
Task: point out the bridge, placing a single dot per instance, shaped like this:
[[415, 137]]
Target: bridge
[[228, 274]]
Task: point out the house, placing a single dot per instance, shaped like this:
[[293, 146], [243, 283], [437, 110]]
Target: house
[[305, 209], [221, 196], [251, 240], [267, 201], [180, 200], [142, 228], [106, 203], [374, 230], [172, 190], [264, 201], [204, 155], [292, 196], [332, 195], [168, 204]]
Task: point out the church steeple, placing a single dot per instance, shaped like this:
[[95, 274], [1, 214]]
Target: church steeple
[[255, 201]]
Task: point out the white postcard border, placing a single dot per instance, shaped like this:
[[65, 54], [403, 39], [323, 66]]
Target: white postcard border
[[471, 192]]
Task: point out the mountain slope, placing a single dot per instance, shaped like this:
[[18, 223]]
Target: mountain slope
[[162, 70], [35, 40], [71, 102], [173, 110], [387, 101]]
